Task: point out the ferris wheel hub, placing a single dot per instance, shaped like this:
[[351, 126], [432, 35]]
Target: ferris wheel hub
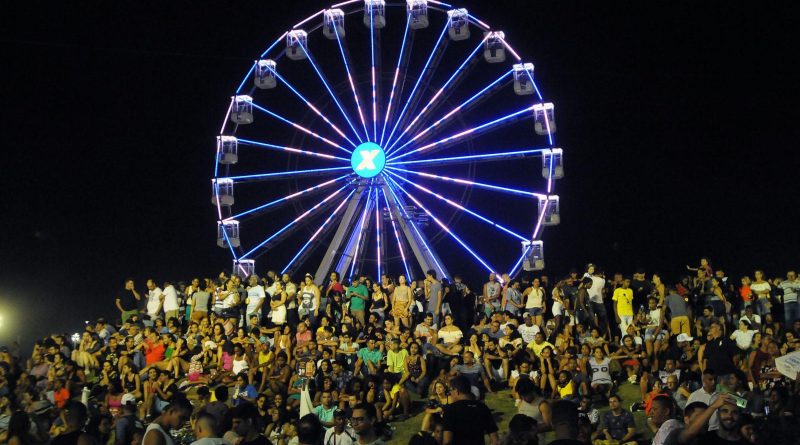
[[368, 160]]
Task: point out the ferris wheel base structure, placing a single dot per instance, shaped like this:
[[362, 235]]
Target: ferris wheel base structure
[[389, 196]]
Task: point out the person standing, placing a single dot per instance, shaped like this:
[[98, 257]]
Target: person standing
[[357, 295], [491, 295], [791, 288], [171, 306], [155, 298], [127, 301], [467, 421], [595, 291], [623, 307], [256, 295], [679, 311], [433, 295]]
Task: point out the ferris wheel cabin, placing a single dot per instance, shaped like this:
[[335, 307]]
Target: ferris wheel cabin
[[545, 121], [333, 24], [523, 75], [417, 14], [494, 50], [375, 13], [296, 44], [242, 110], [228, 234], [458, 24], [222, 190], [555, 157], [227, 150], [534, 255], [264, 76], [552, 213], [244, 268]]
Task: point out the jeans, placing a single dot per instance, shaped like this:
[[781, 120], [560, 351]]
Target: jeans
[[791, 311]]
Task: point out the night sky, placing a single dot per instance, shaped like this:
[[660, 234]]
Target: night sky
[[677, 119]]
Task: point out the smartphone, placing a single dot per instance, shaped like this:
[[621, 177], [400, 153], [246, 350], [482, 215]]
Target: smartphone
[[740, 401]]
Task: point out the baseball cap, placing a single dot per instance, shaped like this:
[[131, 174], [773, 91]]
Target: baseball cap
[[684, 338]]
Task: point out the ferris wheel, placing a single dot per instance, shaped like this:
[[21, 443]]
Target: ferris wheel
[[377, 137]]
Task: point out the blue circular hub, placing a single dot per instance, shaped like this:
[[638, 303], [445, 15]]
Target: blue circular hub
[[368, 160]]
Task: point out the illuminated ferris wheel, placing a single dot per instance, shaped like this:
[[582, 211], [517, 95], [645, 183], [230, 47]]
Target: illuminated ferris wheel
[[377, 137]]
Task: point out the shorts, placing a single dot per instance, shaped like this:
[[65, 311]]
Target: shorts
[[599, 309], [649, 334], [535, 311]]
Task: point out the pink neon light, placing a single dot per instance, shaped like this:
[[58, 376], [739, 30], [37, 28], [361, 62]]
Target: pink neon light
[[508, 47], [374, 107], [305, 130], [335, 128], [344, 3], [308, 18], [227, 117], [467, 182], [335, 211]]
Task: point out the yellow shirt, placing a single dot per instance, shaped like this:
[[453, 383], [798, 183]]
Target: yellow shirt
[[395, 361], [624, 299], [537, 349]]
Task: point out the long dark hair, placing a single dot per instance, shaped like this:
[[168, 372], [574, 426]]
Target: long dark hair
[[19, 426]]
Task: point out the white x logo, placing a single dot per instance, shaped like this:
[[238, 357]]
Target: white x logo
[[368, 160]]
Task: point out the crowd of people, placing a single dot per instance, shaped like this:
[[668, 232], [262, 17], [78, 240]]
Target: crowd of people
[[269, 360]]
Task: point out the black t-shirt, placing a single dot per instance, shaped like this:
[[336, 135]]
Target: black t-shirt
[[720, 354], [127, 300], [469, 421], [711, 438], [260, 440]]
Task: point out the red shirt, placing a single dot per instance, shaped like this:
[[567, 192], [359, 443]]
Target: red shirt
[[61, 397], [153, 353]]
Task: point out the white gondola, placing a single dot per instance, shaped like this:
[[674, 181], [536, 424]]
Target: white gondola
[[242, 110], [264, 74], [556, 157], [417, 13], [545, 121], [228, 149], [494, 50], [244, 268], [228, 234], [458, 24], [222, 192], [523, 75], [549, 206], [333, 20], [377, 10], [296, 44], [534, 255]]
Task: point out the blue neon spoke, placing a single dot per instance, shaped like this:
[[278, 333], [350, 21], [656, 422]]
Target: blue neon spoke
[[319, 230], [461, 207], [290, 149], [394, 82], [311, 106], [455, 110], [432, 101], [228, 241], [416, 84], [445, 228], [287, 197], [285, 174], [469, 158], [466, 132], [396, 235], [518, 263], [471, 183], [546, 121], [413, 224], [360, 231], [295, 221], [300, 127], [247, 76], [346, 62], [330, 91]]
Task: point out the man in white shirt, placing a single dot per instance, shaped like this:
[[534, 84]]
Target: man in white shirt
[[791, 288], [255, 298], [155, 298], [595, 292], [171, 306], [341, 433], [707, 394], [528, 330]]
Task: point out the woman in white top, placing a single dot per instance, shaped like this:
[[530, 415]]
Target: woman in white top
[[277, 305], [535, 304], [761, 289], [309, 300]]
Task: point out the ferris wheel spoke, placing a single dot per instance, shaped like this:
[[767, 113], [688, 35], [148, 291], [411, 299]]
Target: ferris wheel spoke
[[292, 226], [378, 231], [287, 174], [325, 83], [396, 235], [311, 106], [470, 132], [372, 75], [423, 74], [252, 68], [344, 51], [287, 198], [360, 231], [460, 207], [300, 127], [444, 227], [402, 59], [290, 149], [297, 259], [470, 183], [432, 103], [477, 98], [420, 238], [485, 157]]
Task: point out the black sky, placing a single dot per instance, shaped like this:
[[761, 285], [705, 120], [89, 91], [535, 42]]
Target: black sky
[[678, 121]]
